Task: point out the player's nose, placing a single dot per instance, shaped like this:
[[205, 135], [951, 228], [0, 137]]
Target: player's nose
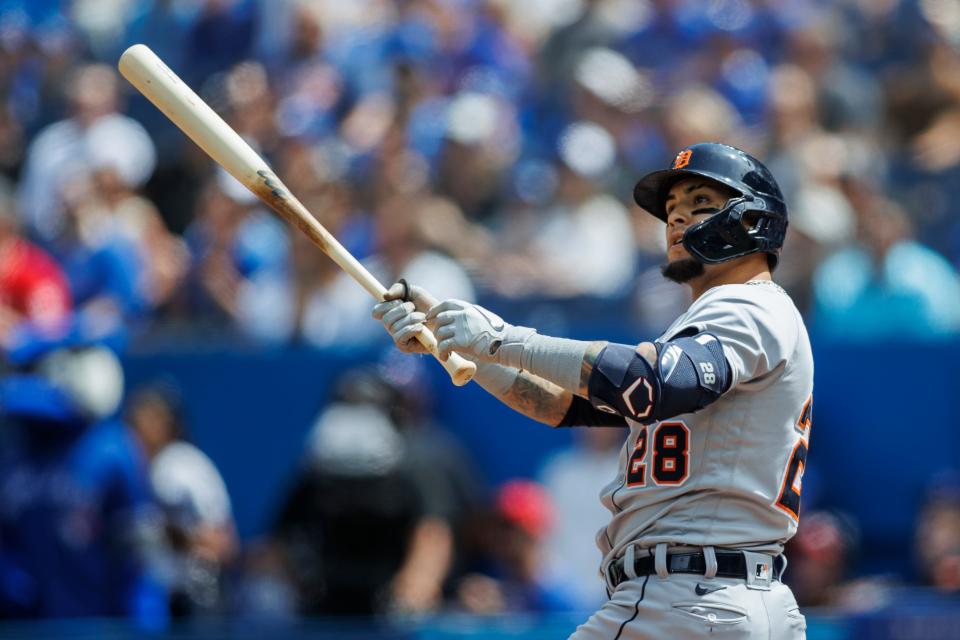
[[678, 217]]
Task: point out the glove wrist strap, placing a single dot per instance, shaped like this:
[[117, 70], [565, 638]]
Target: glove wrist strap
[[509, 351]]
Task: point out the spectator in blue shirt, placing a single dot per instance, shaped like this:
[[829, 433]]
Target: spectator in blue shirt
[[889, 286], [75, 511]]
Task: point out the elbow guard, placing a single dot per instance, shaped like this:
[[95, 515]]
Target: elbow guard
[[691, 372]]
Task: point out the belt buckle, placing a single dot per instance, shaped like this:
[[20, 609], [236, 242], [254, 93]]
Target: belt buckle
[[680, 562], [613, 574], [759, 570]]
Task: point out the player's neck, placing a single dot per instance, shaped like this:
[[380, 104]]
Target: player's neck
[[753, 267]]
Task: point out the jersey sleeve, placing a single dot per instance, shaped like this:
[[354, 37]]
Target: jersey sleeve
[[757, 329]]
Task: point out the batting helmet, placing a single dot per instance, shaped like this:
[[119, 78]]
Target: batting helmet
[[722, 236]]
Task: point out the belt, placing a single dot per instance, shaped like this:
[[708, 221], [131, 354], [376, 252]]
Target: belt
[[730, 564]]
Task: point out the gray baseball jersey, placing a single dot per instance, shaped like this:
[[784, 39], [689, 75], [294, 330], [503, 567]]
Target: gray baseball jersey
[[728, 475]]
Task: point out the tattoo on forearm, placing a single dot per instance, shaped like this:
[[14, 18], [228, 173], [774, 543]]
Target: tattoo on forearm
[[543, 400], [586, 367], [537, 398]]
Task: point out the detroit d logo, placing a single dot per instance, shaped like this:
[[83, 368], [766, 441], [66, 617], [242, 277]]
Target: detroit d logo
[[682, 159]]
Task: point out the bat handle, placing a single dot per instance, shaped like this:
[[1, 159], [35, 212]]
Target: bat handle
[[460, 369]]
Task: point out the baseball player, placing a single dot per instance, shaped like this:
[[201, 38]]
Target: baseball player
[[718, 406]]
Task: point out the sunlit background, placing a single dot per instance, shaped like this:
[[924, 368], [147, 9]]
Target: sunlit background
[[204, 432]]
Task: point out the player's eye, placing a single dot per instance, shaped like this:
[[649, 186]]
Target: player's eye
[[701, 199]]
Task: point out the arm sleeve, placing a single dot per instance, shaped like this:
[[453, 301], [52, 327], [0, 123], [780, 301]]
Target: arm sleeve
[[758, 332]]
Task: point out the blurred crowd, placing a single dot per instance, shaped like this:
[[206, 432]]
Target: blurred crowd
[[479, 148]]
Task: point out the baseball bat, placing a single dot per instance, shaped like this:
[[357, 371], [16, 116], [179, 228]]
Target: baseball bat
[[147, 72]]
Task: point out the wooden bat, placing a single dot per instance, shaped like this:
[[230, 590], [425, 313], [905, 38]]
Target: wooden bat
[[194, 117]]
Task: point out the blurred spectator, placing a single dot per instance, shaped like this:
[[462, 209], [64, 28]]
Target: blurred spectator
[[848, 98], [33, 288], [64, 152], [113, 209], [508, 572], [105, 268], [12, 143], [220, 36], [821, 560], [583, 243], [699, 113], [445, 474], [573, 478], [77, 528], [937, 543], [935, 145], [819, 557], [480, 143], [369, 524], [200, 534], [233, 243], [890, 287], [161, 25]]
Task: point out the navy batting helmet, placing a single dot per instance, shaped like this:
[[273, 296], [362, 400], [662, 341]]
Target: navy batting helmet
[[722, 236]]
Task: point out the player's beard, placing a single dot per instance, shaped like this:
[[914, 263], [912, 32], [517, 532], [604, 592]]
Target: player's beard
[[682, 270]]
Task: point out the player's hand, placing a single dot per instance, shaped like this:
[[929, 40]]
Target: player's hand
[[474, 332], [401, 318]]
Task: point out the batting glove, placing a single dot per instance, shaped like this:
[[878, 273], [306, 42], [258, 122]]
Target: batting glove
[[401, 317], [477, 333]]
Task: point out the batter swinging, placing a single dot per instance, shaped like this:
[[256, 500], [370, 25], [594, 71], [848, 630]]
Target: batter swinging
[[719, 410]]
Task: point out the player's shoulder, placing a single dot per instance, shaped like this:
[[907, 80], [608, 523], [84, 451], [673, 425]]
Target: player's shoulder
[[758, 295], [760, 304]]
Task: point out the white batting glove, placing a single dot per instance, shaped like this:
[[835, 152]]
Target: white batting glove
[[477, 333], [401, 318]]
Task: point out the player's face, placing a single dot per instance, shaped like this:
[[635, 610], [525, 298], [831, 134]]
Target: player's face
[[688, 202]]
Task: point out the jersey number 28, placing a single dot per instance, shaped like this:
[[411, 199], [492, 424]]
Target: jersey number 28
[[671, 457]]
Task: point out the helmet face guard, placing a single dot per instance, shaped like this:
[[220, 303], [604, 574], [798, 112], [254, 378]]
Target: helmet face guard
[[723, 236]]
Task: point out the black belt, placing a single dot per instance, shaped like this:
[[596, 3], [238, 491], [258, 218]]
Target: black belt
[[730, 564]]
